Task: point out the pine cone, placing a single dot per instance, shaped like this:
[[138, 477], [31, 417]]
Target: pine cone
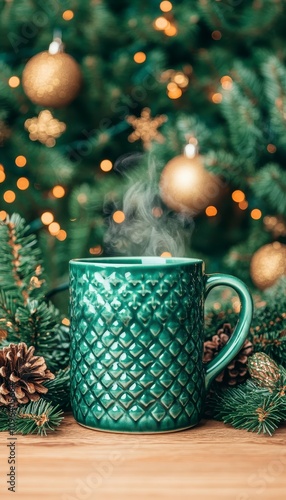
[[236, 372], [22, 374], [263, 370]]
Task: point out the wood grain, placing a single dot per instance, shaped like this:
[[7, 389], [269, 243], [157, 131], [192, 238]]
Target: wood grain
[[209, 462]]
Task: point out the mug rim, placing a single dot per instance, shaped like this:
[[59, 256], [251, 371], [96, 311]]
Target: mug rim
[[137, 262]]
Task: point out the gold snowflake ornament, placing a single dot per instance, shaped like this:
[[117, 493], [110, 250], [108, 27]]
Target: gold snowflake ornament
[[146, 128], [45, 128]]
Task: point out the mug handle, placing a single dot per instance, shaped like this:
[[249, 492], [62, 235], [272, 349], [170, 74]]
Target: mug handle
[[236, 341]]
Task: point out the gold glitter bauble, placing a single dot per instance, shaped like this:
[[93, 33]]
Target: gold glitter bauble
[[52, 80], [268, 264], [186, 186]]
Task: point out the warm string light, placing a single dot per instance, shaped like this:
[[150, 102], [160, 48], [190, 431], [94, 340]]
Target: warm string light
[[67, 15], [140, 57], [14, 82], [62, 235], [20, 161], [66, 322], [256, 214], [166, 254], [2, 176], [211, 211], [9, 196], [3, 215], [47, 218], [238, 196], [216, 97], [23, 183], [106, 165], [118, 217], [226, 82], [58, 191], [166, 6], [54, 228]]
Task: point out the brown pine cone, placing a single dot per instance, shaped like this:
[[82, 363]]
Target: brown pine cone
[[236, 372], [22, 374]]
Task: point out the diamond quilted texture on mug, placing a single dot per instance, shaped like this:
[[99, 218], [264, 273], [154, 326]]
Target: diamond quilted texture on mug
[[125, 380], [107, 360], [167, 400], [125, 339], [145, 339], [106, 400], [157, 390], [125, 316], [107, 338], [147, 399], [83, 387], [166, 379], [98, 348], [136, 329], [176, 389], [166, 359], [115, 412], [83, 369], [175, 348], [106, 380], [99, 370], [136, 390], [115, 390], [155, 328], [98, 411], [175, 410], [157, 369], [126, 400], [115, 370], [146, 359], [125, 360], [136, 370], [158, 412], [165, 338], [183, 378], [156, 349], [146, 380], [136, 412], [135, 350]]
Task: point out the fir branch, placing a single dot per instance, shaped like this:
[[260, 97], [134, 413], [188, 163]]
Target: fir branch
[[38, 417], [248, 407], [59, 389]]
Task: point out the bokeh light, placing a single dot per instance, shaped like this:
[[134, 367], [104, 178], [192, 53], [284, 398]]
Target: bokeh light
[[211, 211], [118, 217], [47, 218], [54, 228], [140, 57], [238, 196], [23, 183], [14, 82], [9, 196], [58, 191], [20, 161], [255, 214], [68, 15], [166, 6]]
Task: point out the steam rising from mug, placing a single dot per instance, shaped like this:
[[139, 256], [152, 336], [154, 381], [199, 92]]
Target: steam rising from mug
[[149, 227]]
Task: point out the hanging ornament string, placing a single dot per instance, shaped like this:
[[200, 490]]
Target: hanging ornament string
[[52, 78]]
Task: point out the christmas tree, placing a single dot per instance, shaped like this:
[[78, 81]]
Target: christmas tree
[[106, 105]]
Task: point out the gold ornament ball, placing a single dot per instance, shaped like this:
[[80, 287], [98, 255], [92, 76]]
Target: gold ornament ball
[[52, 80], [268, 264], [186, 186]]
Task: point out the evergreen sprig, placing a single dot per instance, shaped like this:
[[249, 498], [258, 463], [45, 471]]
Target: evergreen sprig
[[249, 407], [37, 417]]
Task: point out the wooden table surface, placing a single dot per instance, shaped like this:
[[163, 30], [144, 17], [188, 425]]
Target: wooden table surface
[[211, 461]]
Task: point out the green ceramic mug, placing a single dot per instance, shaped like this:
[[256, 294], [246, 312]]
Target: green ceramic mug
[[137, 332]]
